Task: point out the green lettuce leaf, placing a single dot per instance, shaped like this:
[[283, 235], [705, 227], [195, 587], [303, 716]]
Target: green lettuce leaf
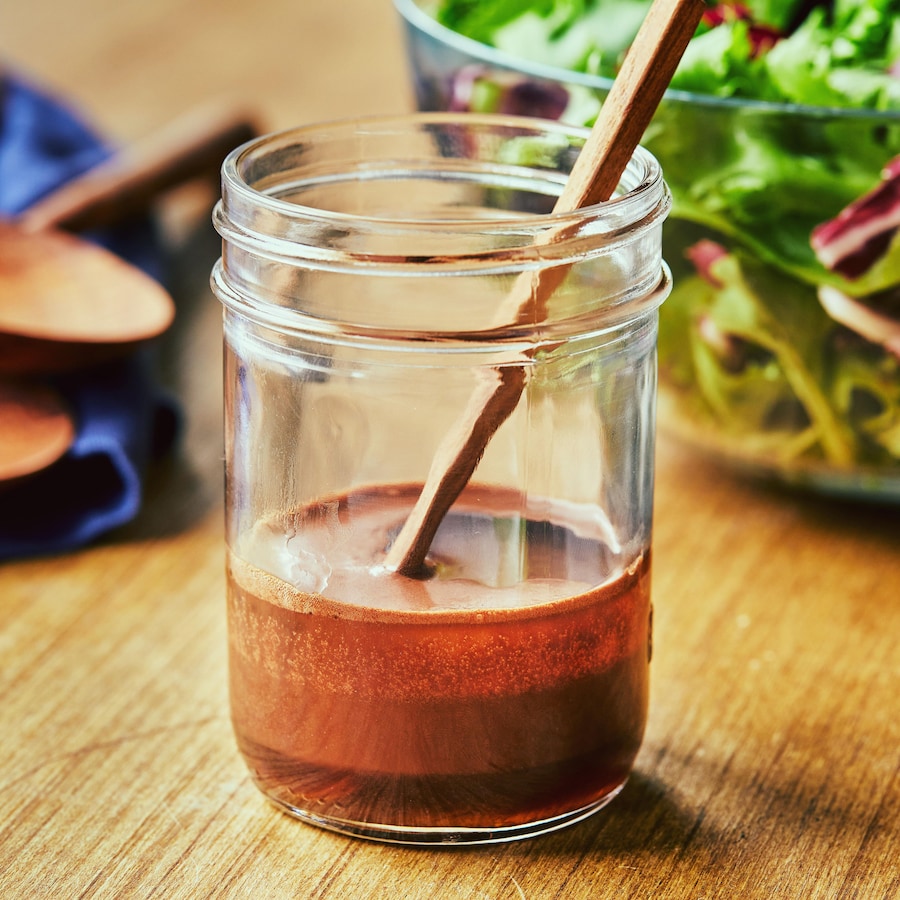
[[765, 181], [838, 59], [780, 385]]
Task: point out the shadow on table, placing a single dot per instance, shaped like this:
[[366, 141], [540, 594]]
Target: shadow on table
[[644, 818], [872, 516]]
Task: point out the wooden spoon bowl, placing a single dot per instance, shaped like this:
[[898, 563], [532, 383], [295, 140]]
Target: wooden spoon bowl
[[65, 302], [37, 429]]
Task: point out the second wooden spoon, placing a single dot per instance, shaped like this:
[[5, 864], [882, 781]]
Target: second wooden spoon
[[66, 302], [36, 426]]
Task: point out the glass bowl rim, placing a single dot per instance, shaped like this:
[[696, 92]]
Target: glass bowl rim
[[411, 12]]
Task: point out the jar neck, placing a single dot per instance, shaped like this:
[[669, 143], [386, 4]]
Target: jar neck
[[426, 197]]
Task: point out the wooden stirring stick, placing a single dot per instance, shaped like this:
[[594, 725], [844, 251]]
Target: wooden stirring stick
[[646, 72]]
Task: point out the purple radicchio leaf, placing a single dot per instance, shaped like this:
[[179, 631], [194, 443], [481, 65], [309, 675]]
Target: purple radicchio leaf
[[462, 87], [852, 242], [543, 99], [762, 37], [704, 254], [876, 318], [514, 95], [729, 350]]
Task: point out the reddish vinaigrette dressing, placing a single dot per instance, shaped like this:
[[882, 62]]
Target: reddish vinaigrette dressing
[[361, 696]]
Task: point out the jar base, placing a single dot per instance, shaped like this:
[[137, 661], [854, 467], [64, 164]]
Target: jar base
[[448, 836]]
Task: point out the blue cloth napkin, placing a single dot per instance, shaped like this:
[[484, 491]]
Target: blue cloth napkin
[[123, 419]]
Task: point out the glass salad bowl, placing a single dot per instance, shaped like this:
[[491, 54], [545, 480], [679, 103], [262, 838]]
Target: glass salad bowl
[[779, 347]]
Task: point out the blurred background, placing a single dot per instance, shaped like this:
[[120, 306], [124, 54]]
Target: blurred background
[[131, 65]]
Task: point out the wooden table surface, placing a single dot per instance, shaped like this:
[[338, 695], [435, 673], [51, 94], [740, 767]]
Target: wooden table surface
[[770, 765]]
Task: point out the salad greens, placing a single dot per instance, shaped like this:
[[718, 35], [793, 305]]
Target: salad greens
[[780, 216], [827, 54]]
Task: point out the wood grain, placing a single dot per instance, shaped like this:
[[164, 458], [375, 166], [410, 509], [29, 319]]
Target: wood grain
[[771, 765]]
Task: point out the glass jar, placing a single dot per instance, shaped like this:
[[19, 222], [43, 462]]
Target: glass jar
[[501, 690]]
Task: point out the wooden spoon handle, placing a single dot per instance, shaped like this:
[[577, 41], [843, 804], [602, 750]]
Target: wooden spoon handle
[[190, 147], [646, 72]]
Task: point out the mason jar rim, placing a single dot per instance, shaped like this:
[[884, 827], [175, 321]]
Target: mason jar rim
[[269, 234], [640, 205]]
